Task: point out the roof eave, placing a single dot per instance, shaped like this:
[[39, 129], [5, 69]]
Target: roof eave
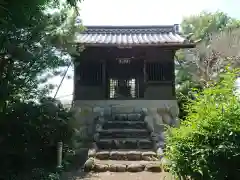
[[173, 45]]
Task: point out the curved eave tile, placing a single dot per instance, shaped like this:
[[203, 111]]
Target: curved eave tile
[[130, 39]]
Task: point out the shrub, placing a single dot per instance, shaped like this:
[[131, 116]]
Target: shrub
[[184, 96], [207, 144], [29, 133]]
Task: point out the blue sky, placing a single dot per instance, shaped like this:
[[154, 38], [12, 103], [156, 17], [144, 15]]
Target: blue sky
[[143, 12]]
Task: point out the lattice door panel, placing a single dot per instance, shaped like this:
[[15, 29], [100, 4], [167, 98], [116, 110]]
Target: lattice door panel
[[122, 88]]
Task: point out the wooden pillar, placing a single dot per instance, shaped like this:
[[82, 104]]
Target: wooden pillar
[[141, 80], [104, 78]]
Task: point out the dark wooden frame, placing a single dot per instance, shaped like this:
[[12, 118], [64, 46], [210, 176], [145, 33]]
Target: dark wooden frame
[[146, 54]]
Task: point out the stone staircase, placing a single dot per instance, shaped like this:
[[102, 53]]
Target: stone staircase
[[123, 142]]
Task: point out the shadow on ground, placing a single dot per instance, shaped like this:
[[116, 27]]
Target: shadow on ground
[[75, 171]]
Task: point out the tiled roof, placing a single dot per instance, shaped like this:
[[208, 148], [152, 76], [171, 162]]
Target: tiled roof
[[131, 35]]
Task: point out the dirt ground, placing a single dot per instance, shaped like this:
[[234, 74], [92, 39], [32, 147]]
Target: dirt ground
[[119, 176], [130, 176]]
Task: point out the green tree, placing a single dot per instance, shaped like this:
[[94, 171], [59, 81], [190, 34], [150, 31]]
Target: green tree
[[33, 42], [217, 36], [201, 26]]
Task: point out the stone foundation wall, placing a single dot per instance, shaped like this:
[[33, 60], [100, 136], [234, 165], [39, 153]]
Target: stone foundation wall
[[157, 119], [158, 113]]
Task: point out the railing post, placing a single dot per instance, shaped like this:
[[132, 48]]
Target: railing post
[[59, 154]]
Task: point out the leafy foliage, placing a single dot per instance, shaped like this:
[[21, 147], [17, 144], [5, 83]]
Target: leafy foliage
[[33, 44], [217, 35], [207, 144], [29, 135], [202, 25], [36, 45], [218, 43]]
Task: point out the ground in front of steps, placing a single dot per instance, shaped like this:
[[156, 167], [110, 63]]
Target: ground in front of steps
[[127, 175], [123, 176]]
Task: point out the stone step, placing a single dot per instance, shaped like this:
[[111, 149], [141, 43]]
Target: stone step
[[124, 124], [125, 143], [123, 133], [127, 122], [128, 117], [122, 130], [124, 154], [121, 166]]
